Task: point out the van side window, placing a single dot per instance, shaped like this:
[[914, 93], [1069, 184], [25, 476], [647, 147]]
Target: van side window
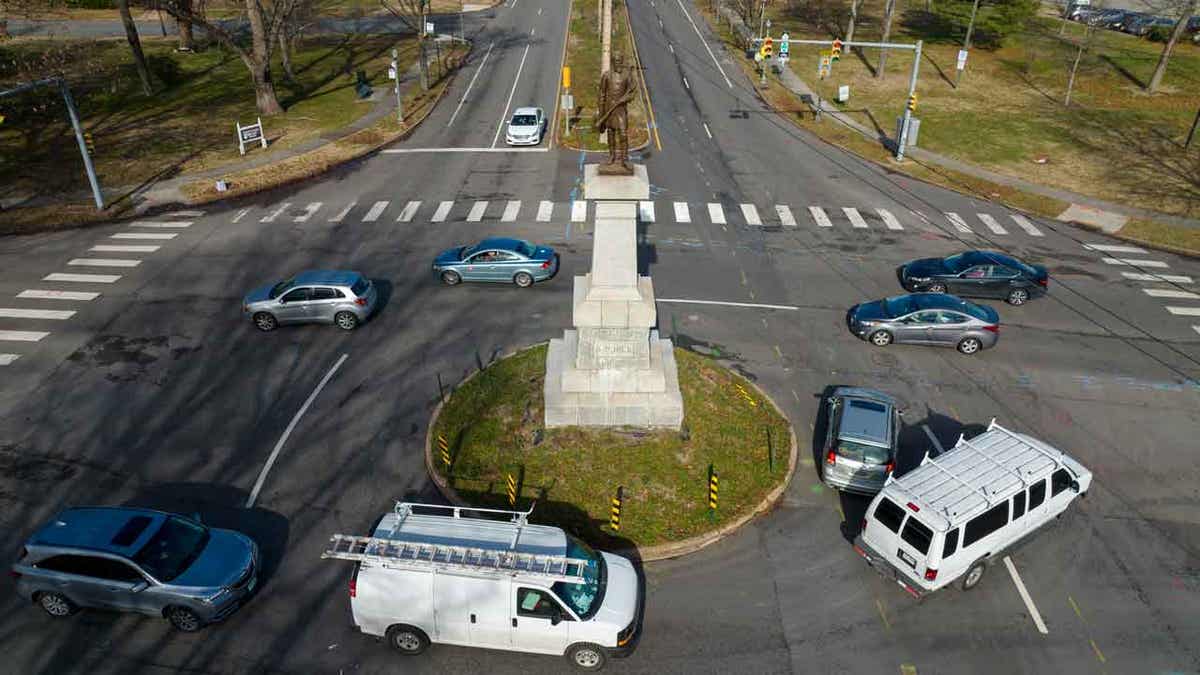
[[917, 535], [888, 514], [1018, 505], [1037, 494], [986, 523], [533, 602], [951, 544], [1059, 480]]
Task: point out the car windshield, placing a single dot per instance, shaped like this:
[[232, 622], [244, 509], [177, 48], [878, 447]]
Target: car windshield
[[899, 305], [280, 287], [172, 549], [956, 263], [584, 599], [524, 120], [526, 249], [861, 452]]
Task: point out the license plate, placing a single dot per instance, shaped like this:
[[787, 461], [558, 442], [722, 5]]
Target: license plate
[[912, 562]]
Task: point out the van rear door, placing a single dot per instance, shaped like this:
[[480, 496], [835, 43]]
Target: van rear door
[[913, 545]]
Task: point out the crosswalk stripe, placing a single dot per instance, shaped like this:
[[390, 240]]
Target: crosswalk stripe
[[785, 215], [7, 359], [163, 236], [1137, 263], [1023, 223], [889, 220], [129, 248], [578, 211], [476, 213], [681, 213], [511, 209], [1112, 248], [341, 215], [819, 215], [1169, 278], [38, 294], [270, 218], [241, 214], [442, 211], [1196, 328], [1170, 293], [185, 214], [1184, 311], [958, 222], [376, 211], [545, 211], [716, 214], [83, 278], [103, 262], [162, 224], [22, 335], [407, 213], [22, 313], [992, 223], [646, 212], [856, 219], [750, 213], [309, 210]]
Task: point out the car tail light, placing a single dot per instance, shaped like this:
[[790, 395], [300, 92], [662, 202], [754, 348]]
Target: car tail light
[[1044, 282], [831, 458], [913, 507], [546, 265], [361, 302], [930, 575], [890, 466], [992, 329], [354, 587], [859, 551]]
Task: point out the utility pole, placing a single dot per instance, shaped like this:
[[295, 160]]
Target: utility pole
[[1196, 122], [399, 100], [967, 41], [888, 10], [853, 16], [908, 109], [762, 15]]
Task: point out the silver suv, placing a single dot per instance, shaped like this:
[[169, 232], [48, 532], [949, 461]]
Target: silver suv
[[860, 444], [317, 296], [137, 560]]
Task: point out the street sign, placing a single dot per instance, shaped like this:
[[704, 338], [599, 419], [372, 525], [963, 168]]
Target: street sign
[[783, 45], [428, 27], [568, 102], [249, 134], [391, 72], [962, 59]]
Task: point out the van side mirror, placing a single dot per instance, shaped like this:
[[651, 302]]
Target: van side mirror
[[556, 618], [1075, 485]]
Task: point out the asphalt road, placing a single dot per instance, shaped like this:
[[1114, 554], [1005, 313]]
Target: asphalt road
[[156, 392]]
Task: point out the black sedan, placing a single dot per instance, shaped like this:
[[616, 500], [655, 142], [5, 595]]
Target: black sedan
[[980, 274]]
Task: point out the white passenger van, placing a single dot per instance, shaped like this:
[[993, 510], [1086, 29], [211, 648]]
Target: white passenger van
[[448, 578], [956, 513]]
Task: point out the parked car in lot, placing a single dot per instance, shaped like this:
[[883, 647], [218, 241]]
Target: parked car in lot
[[137, 560], [951, 517], [928, 319], [343, 298], [1144, 25], [1106, 18], [497, 259], [526, 127], [1129, 19], [977, 274], [862, 434]]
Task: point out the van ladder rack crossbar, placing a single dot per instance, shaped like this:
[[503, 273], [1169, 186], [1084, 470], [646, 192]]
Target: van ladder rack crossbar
[[389, 551]]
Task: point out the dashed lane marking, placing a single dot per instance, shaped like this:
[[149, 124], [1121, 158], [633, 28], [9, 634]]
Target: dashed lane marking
[[856, 219], [185, 214], [1184, 311], [1023, 223], [681, 213], [1169, 293], [341, 215], [750, 213], [47, 314], [376, 210], [958, 222], [160, 236], [545, 211], [103, 262], [991, 223], [38, 294], [8, 359], [646, 212], [270, 218], [785, 215], [240, 214], [127, 248], [1135, 263], [716, 214], [511, 209], [578, 211], [476, 213], [1167, 278], [1113, 248], [309, 210], [22, 335], [162, 224], [83, 278], [889, 220]]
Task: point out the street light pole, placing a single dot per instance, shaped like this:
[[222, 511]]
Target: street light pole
[[967, 41], [399, 101]]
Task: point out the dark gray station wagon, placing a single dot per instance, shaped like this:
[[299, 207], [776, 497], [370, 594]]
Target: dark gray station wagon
[[860, 444]]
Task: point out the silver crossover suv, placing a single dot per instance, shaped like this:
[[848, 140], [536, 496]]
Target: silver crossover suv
[[316, 296], [137, 560], [860, 441]]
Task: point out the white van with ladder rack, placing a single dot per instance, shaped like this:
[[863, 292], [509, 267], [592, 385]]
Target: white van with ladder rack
[[501, 584], [953, 515]]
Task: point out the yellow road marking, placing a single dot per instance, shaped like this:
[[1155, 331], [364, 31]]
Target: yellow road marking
[[642, 78], [562, 63], [1076, 608], [882, 614], [1099, 654], [908, 669], [778, 352]]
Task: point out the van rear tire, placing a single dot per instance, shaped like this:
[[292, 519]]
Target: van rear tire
[[408, 640], [586, 656], [974, 575]]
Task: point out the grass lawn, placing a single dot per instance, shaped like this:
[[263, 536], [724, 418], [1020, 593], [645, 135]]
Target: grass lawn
[[493, 424]]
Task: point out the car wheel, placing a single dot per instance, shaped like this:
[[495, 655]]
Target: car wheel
[[265, 322], [346, 320], [1018, 296], [56, 604], [183, 619], [973, 575], [586, 656], [407, 640], [969, 345], [523, 279], [451, 278], [881, 338], [937, 288]]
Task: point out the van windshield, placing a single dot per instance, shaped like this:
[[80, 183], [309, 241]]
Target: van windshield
[[584, 599]]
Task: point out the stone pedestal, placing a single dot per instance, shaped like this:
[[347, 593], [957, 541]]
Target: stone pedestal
[[612, 369], [596, 186]]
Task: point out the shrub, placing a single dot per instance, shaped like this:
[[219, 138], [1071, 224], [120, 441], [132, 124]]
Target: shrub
[[1159, 34], [92, 4]]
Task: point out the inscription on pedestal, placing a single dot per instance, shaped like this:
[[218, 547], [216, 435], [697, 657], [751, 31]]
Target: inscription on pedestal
[[613, 348]]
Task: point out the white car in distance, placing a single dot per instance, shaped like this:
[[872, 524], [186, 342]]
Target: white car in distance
[[526, 127]]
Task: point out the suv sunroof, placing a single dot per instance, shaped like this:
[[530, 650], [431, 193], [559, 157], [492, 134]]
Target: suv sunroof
[[130, 531]]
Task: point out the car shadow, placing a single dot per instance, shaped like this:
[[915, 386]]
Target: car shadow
[[384, 288]]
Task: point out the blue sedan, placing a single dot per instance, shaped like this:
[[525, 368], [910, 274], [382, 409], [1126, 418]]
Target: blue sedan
[[497, 259]]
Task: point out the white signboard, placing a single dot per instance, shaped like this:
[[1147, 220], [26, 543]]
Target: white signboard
[[843, 93], [783, 44], [429, 28], [249, 134], [568, 102], [962, 59]]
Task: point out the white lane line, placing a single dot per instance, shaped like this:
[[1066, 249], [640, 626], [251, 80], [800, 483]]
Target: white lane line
[[241, 214], [646, 212], [103, 262], [410, 151], [1136, 263], [818, 215], [681, 213], [757, 305], [309, 210], [750, 213], [991, 223], [22, 313], [889, 220], [262, 476], [1033, 611], [728, 83], [785, 215], [7, 359], [1196, 328], [1112, 248], [707, 131], [504, 118], [1169, 293], [671, 47], [470, 84], [407, 213], [545, 211], [442, 211], [937, 445], [476, 213], [376, 210], [578, 211], [160, 236], [129, 248], [1023, 223], [856, 219], [83, 278], [184, 214], [958, 222], [162, 224], [511, 209], [1184, 311], [1169, 278], [685, 83], [22, 335], [270, 218], [341, 215], [532, 31], [716, 214], [38, 294]]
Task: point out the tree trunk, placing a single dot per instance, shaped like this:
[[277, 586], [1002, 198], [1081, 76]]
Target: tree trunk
[[424, 59], [186, 39], [259, 62], [1071, 79], [850, 26], [135, 45], [285, 55], [1161, 68], [888, 11]]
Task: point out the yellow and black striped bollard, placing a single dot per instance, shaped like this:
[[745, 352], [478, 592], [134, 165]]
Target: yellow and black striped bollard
[[614, 520], [512, 491], [712, 490], [444, 448]]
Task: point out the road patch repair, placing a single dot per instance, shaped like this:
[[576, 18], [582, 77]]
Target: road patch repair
[[1106, 221]]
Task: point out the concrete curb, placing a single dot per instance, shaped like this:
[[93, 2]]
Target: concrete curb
[[666, 551], [1167, 248]]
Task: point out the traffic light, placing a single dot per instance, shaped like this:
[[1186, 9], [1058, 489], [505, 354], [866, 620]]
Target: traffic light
[[912, 103], [91, 145], [836, 51], [768, 48]]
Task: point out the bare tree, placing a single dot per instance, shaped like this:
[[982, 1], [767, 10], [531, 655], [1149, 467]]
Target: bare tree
[[1185, 14], [187, 41], [412, 14], [1082, 46], [889, 10], [850, 25], [135, 46]]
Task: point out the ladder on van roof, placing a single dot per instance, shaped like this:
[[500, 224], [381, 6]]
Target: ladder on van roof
[[390, 552]]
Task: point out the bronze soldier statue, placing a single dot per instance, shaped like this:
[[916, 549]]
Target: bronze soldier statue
[[616, 91]]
